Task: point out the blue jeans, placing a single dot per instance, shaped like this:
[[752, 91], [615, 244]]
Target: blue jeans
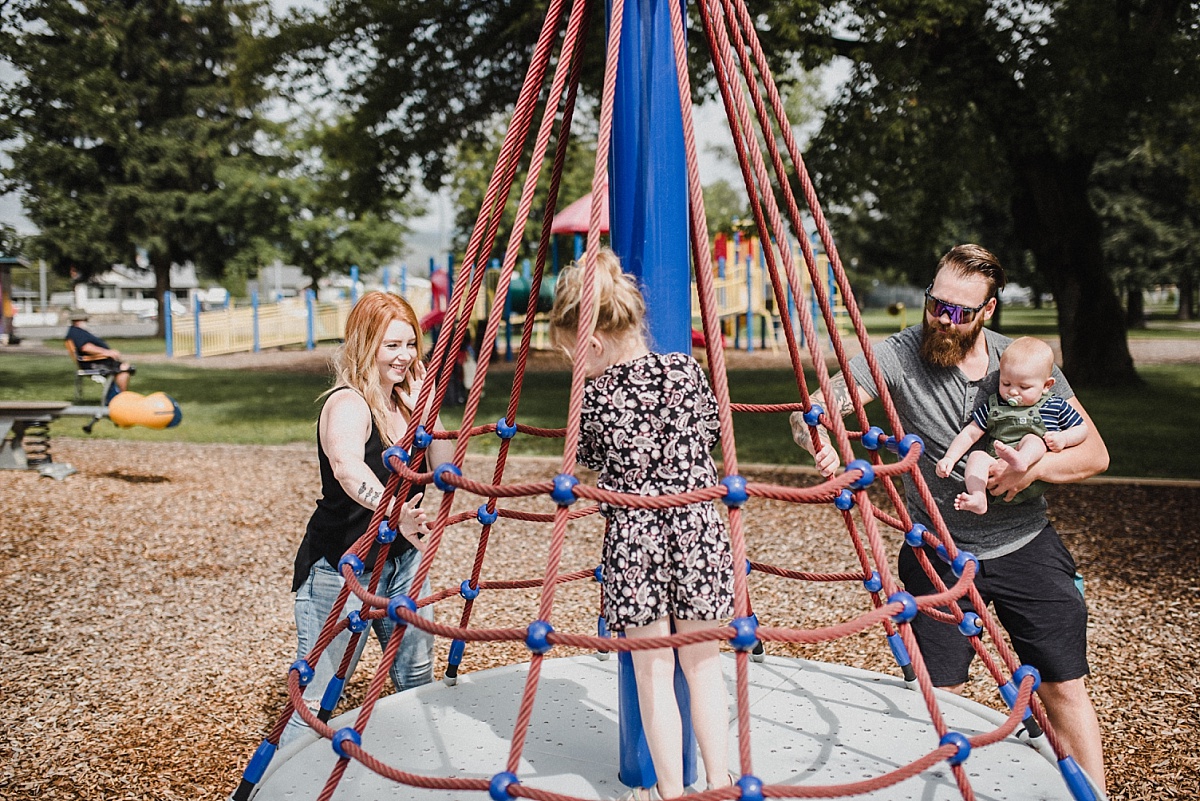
[[413, 665]]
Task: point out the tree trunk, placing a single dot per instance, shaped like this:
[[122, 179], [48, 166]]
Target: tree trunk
[[1135, 306], [1055, 220], [1187, 294], [162, 285]]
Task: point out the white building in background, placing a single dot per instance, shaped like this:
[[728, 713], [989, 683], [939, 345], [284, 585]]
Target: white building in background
[[125, 290]]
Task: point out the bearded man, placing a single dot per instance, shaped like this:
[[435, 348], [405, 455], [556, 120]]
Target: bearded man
[[936, 374]]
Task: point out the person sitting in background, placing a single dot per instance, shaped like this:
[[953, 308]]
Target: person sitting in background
[[93, 352]]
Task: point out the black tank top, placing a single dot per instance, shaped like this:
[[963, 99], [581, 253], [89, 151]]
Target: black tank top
[[339, 520]]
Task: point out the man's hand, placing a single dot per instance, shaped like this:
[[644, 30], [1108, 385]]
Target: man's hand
[[1006, 481]]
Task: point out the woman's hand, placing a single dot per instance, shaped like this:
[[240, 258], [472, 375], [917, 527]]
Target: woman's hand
[[413, 522]]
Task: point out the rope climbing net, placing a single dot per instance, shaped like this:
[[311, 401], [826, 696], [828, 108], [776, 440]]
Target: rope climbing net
[[770, 162]]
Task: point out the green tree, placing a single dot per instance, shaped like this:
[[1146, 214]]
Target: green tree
[[1012, 102], [325, 225], [1152, 227], [122, 115]]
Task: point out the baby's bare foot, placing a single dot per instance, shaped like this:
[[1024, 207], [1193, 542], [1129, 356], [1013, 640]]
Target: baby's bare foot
[[1012, 456], [971, 502]]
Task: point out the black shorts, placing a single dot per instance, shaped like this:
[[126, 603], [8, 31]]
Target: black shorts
[[1035, 598]]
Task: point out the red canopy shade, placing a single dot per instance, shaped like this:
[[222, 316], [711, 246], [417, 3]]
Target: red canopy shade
[[575, 218]]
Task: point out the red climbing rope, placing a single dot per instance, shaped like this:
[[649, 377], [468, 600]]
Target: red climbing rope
[[758, 123]]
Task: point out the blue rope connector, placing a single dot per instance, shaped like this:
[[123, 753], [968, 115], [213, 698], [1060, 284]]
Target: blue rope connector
[[874, 583], [735, 491], [751, 787], [1027, 670], [959, 565], [906, 444], [960, 742], [304, 670], [422, 438], [504, 429], [467, 591], [356, 623], [400, 602], [598, 574], [498, 786], [536, 636], [873, 437], [908, 606], [563, 493], [915, 536], [355, 564], [844, 500], [813, 415], [485, 517], [745, 633], [394, 452], [867, 477], [386, 534], [970, 625], [439, 478], [341, 736]]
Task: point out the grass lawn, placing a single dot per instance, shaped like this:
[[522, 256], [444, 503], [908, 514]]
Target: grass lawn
[[252, 407]]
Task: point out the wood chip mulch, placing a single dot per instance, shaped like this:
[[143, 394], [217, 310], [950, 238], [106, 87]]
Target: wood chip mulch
[[148, 625]]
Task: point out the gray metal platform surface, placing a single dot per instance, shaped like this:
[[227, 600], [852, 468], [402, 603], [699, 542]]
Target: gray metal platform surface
[[811, 723]]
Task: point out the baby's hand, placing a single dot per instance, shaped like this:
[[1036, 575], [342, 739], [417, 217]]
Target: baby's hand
[[1054, 441], [944, 468]]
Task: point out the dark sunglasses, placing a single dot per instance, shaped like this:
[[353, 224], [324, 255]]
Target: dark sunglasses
[[958, 314]]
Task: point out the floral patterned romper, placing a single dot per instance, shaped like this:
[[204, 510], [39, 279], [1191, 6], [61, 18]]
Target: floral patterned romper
[[648, 426]]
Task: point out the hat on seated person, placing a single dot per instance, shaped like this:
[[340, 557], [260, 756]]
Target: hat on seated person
[[77, 315]]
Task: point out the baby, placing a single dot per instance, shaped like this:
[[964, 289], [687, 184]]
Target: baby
[[1024, 420]]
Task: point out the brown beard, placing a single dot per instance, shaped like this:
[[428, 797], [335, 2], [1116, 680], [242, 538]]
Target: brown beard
[[947, 347]]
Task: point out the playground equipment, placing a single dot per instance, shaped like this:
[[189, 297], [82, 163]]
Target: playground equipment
[[156, 410], [25, 426], [388, 746]]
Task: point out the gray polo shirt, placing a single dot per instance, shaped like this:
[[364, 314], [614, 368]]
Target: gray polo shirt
[[935, 403]]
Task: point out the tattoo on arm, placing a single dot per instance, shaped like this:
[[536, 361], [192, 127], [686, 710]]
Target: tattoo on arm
[[841, 396], [368, 495]]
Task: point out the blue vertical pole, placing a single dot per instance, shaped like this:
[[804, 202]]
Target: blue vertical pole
[[310, 299], [353, 283], [168, 323], [648, 197], [387, 278], [648, 213], [404, 281], [254, 318], [196, 321], [749, 301]]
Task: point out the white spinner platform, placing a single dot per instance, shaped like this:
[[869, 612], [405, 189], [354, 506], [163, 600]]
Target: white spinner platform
[[811, 723]]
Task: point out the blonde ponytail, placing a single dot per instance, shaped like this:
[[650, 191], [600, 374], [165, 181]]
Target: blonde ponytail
[[618, 307]]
